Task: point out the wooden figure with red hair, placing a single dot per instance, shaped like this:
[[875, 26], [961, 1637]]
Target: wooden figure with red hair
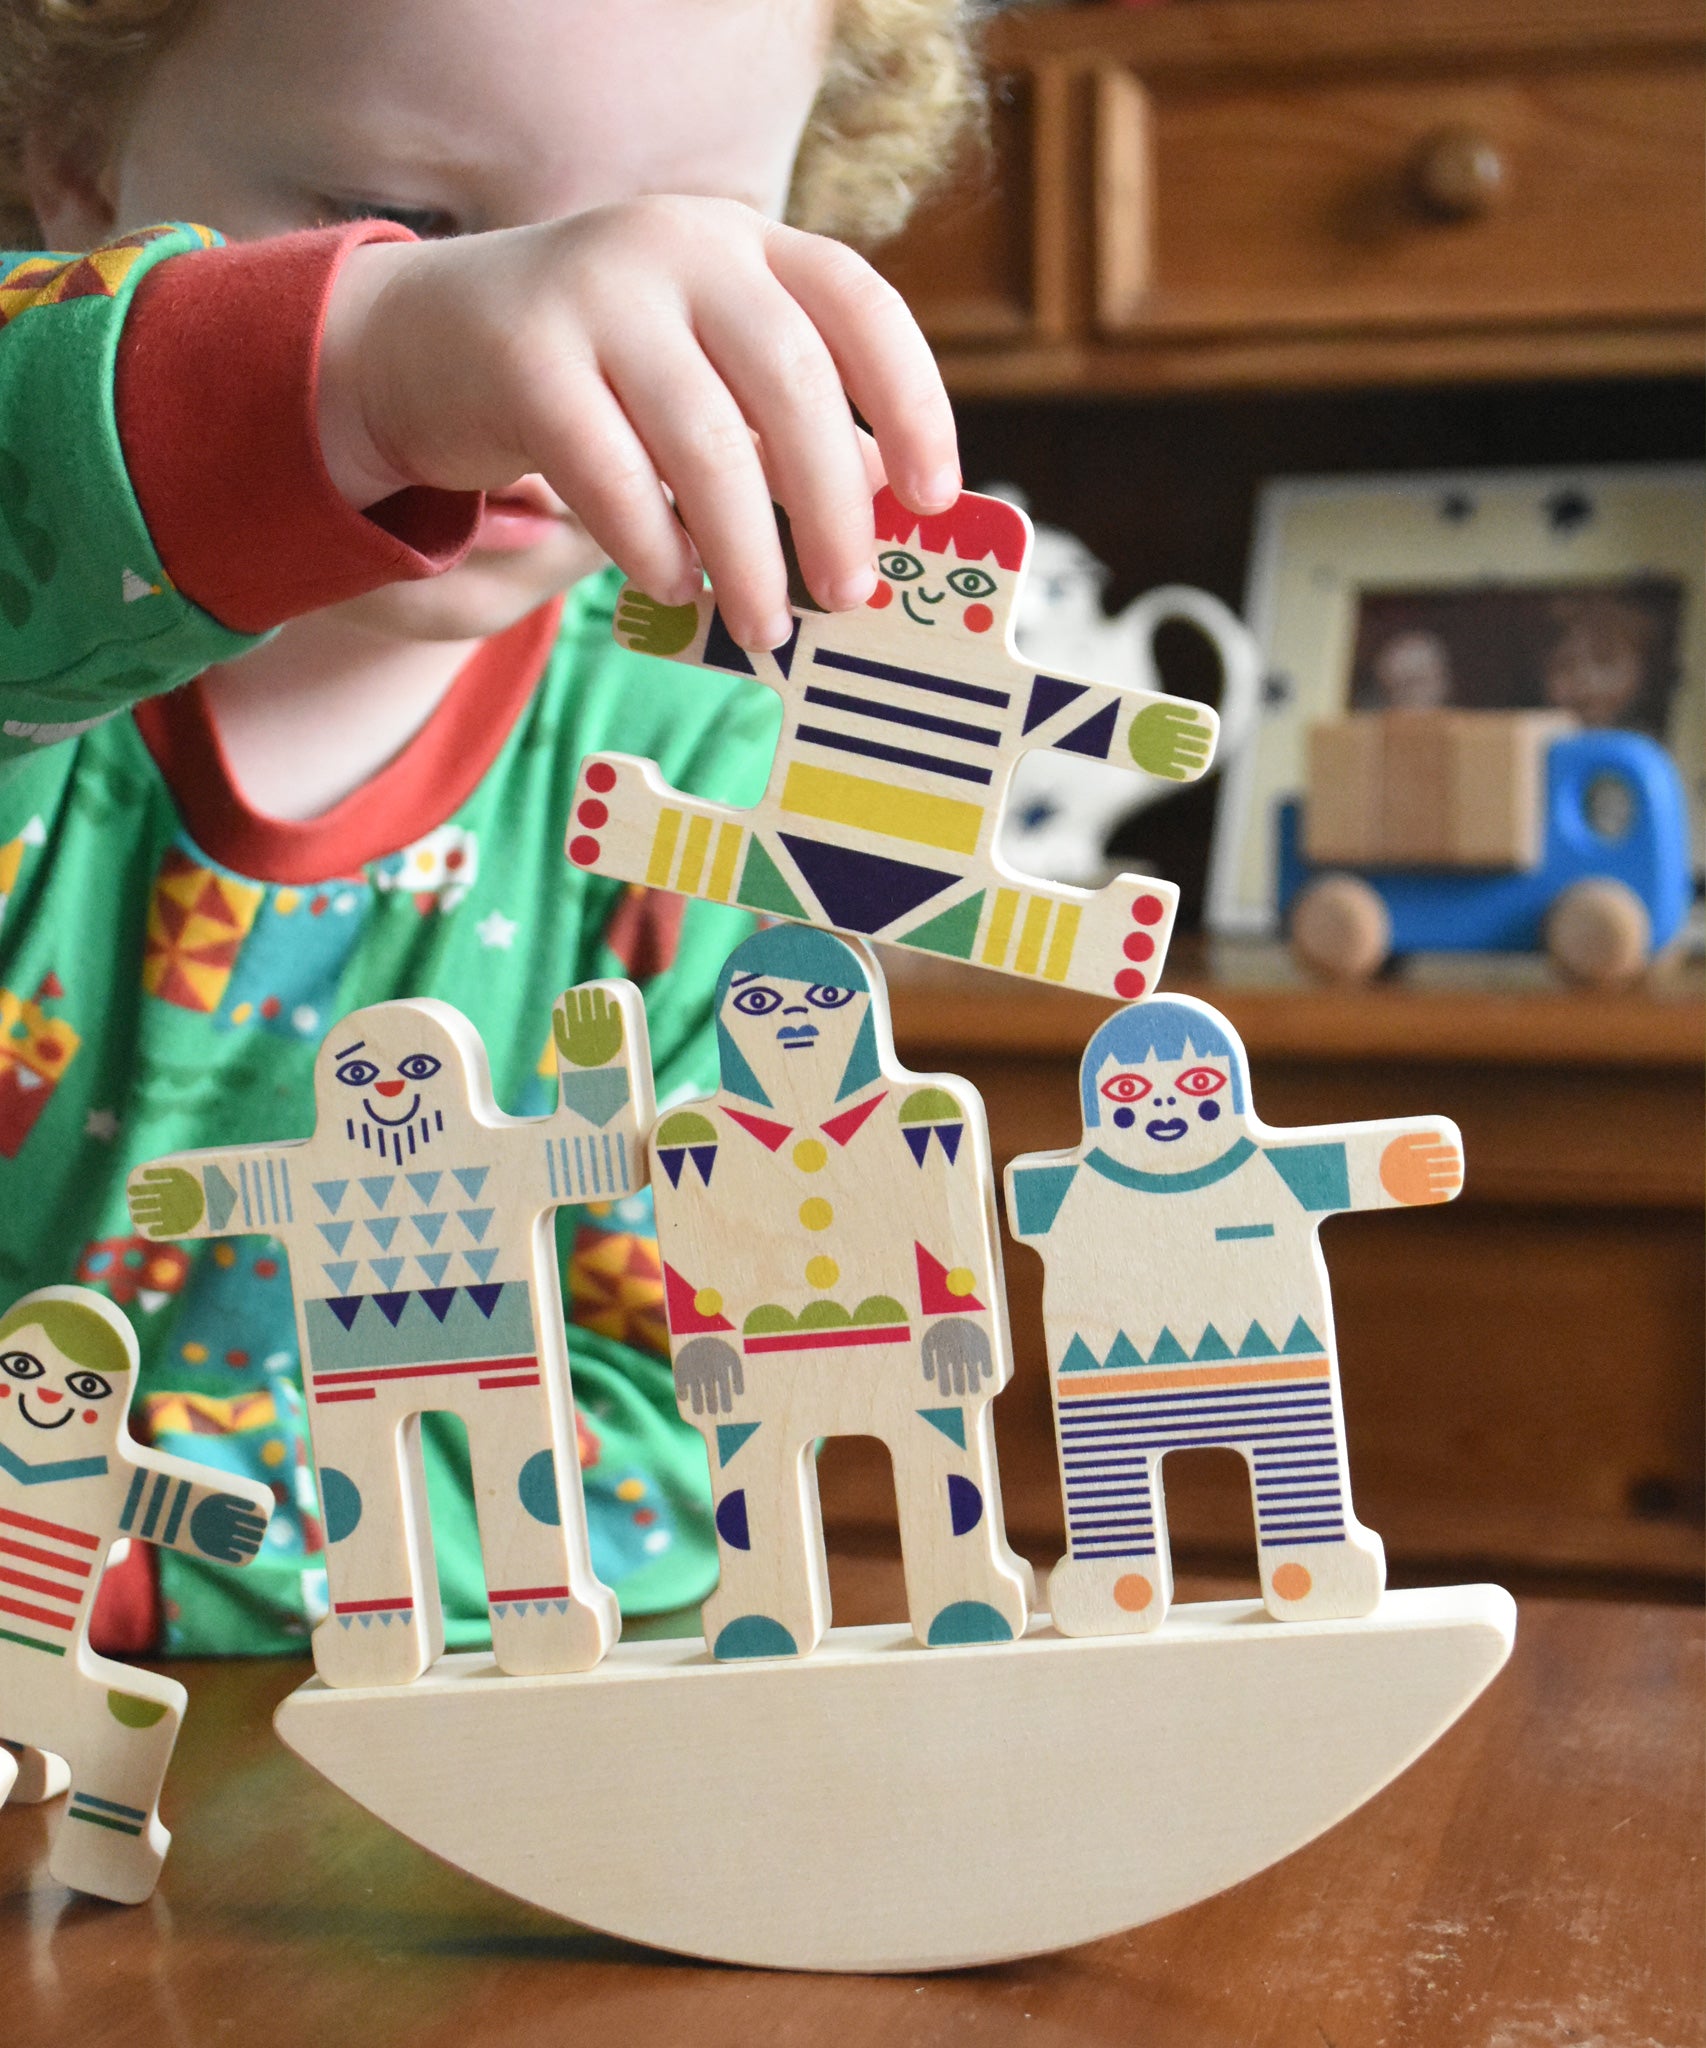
[[902, 724]]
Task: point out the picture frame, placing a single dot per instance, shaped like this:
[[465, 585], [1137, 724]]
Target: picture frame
[[1580, 588]]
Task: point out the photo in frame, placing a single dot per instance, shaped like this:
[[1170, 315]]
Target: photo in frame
[[1570, 589]]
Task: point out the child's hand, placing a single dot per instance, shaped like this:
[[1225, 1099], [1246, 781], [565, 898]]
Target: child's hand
[[637, 349]]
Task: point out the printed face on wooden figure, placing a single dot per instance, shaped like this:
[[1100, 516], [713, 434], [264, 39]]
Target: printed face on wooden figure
[[1163, 1092], [797, 1037], [953, 576], [57, 1403], [395, 1081]]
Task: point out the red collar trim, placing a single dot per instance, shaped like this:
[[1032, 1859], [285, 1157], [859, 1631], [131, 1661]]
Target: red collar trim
[[773, 1135], [428, 782]]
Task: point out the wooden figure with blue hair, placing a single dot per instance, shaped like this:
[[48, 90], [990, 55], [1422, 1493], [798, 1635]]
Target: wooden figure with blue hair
[[1186, 1304], [831, 1268], [72, 1482]]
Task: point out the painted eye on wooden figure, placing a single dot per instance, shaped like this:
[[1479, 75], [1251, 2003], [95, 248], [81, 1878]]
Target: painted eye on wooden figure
[[758, 1001], [971, 582], [826, 997], [1201, 1081], [358, 1073], [22, 1365], [1125, 1087], [419, 1066], [90, 1386], [901, 567]]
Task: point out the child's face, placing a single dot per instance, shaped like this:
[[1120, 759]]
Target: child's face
[[454, 117]]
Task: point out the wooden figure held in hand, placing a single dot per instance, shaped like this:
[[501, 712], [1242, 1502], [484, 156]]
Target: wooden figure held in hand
[[1185, 1304], [826, 1226], [72, 1480], [902, 724], [418, 1223]]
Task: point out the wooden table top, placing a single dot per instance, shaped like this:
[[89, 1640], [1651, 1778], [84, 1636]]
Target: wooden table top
[[1534, 1880]]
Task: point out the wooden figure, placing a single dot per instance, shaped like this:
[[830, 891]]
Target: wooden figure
[[72, 1479], [1471, 831], [902, 724], [1185, 1303], [831, 1265], [417, 1219]]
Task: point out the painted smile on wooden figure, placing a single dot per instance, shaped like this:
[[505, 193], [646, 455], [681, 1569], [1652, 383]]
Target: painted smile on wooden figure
[[356, 1068]]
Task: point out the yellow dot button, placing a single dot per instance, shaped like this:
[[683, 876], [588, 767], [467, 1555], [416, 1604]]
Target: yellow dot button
[[196, 1354], [631, 1489], [816, 1214], [822, 1272], [810, 1156], [961, 1280], [708, 1302]]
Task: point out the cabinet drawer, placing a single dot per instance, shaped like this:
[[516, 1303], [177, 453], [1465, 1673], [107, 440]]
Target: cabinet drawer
[[1530, 193]]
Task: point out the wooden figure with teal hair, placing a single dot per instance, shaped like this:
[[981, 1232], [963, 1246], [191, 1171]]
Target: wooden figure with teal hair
[[72, 1481], [417, 1219], [831, 1266], [1185, 1304]]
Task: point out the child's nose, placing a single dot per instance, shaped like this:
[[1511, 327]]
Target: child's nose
[[49, 1397], [388, 1087]]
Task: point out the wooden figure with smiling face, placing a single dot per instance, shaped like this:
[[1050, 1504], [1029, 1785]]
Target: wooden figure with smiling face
[[72, 1480], [1186, 1304], [417, 1219], [902, 725]]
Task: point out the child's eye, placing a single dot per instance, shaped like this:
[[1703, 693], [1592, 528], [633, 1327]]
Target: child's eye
[[758, 1002], [971, 582], [1125, 1087], [430, 223], [1201, 1081], [22, 1365], [358, 1073], [419, 1066], [89, 1386], [899, 566], [827, 998]]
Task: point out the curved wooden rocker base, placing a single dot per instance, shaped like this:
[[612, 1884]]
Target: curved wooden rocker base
[[878, 1806]]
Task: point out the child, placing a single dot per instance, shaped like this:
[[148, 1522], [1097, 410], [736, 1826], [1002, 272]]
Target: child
[[202, 446]]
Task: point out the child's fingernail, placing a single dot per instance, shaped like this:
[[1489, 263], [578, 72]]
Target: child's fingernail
[[943, 488], [852, 591], [775, 631]]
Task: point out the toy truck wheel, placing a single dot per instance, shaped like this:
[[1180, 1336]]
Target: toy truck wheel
[[1599, 932], [1341, 928]]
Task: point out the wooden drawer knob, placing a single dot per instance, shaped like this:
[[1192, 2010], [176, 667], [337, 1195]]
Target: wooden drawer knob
[[1457, 174]]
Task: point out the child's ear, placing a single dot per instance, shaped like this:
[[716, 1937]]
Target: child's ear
[[70, 178]]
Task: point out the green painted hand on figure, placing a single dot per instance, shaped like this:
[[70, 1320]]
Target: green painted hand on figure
[[168, 1203], [588, 1028], [1168, 740], [652, 628]]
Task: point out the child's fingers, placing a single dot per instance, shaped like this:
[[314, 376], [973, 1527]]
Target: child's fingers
[[584, 446], [884, 362], [786, 383], [702, 448]]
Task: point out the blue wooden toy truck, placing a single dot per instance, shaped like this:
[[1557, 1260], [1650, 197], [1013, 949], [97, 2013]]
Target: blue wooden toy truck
[[1484, 831]]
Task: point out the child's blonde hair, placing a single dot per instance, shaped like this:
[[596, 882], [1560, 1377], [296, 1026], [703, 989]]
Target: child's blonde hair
[[901, 91]]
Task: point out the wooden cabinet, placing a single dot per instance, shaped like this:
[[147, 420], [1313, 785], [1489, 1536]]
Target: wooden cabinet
[[1226, 193], [1521, 1369]]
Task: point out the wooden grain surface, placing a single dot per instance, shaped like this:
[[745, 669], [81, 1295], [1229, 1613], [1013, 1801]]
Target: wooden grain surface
[[1535, 1880]]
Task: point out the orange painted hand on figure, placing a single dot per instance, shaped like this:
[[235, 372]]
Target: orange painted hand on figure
[[1421, 1167]]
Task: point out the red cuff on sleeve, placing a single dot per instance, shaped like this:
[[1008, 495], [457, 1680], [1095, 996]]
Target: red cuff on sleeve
[[215, 396]]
